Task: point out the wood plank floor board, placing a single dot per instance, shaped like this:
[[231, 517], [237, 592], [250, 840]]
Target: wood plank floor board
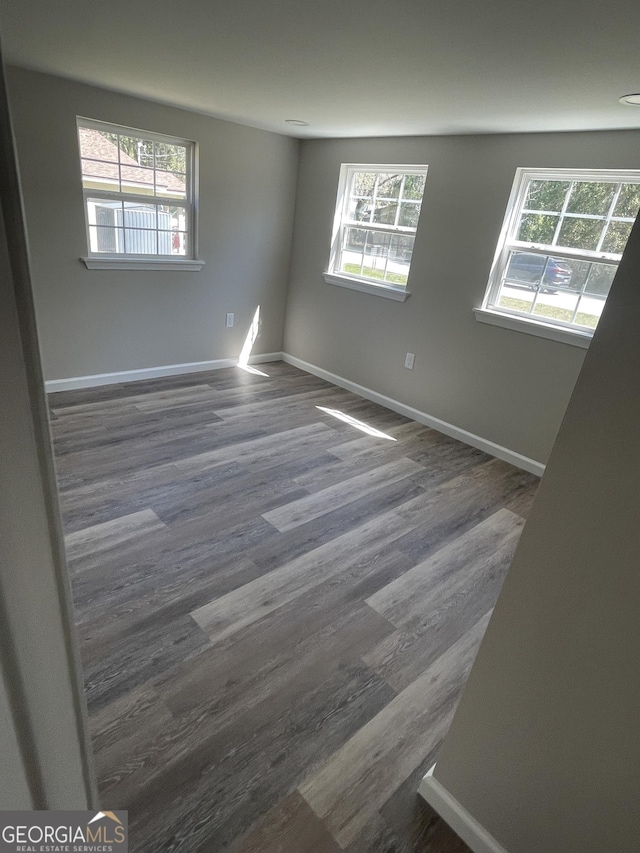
[[165, 491], [100, 538], [227, 615], [377, 837], [171, 449], [291, 825], [161, 601], [261, 666], [124, 668], [312, 506], [408, 601], [455, 505], [436, 601], [128, 426], [276, 639], [301, 540], [350, 788], [255, 761], [286, 681], [276, 611]]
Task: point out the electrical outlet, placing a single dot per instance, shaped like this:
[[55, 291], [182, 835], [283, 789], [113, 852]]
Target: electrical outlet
[[230, 321], [409, 360]]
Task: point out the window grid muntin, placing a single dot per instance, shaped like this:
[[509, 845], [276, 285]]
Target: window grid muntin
[[186, 202], [516, 209]]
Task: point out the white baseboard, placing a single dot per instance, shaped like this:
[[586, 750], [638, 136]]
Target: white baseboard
[[457, 817], [75, 382], [517, 459]]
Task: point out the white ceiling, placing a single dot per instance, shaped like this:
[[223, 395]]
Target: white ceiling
[[349, 67]]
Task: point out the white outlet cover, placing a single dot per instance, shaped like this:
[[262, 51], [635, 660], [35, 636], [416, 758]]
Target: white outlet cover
[[229, 320], [409, 360]]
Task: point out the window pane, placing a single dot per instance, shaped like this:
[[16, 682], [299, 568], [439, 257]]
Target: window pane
[[172, 242], [360, 210], [529, 270], [377, 256], [546, 195], [389, 186], [556, 306], [98, 144], [537, 228], [170, 184], [591, 197], [580, 233], [170, 158], [351, 255], [364, 183], [515, 300], [376, 251], [399, 259], [136, 180], [628, 201], [409, 214], [589, 311], [102, 212], [105, 239], [385, 212], [104, 175], [580, 271], [414, 186], [135, 152], [139, 242], [171, 217], [139, 215], [600, 279], [616, 237]]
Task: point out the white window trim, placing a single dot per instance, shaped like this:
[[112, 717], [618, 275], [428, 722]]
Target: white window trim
[[349, 280], [559, 331], [540, 329], [387, 291], [106, 261], [109, 262]]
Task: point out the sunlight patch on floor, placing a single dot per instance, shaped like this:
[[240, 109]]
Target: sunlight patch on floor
[[354, 422]]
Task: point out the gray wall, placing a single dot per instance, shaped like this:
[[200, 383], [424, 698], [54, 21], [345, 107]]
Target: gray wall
[[93, 321], [505, 386], [545, 747]]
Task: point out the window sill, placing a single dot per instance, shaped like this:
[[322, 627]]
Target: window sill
[[387, 291], [182, 264], [534, 327]]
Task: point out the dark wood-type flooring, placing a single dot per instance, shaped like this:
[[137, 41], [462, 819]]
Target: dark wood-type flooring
[[277, 612]]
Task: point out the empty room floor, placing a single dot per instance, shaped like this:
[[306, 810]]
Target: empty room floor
[[277, 611]]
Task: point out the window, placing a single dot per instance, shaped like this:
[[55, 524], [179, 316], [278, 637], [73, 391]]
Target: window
[[138, 197], [563, 237], [377, 214]]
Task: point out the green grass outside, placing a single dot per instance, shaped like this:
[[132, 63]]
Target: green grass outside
[[369, 272], [549, 311]]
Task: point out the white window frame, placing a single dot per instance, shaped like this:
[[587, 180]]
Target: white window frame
[[124, 261], [559, 330], [341, 221]]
